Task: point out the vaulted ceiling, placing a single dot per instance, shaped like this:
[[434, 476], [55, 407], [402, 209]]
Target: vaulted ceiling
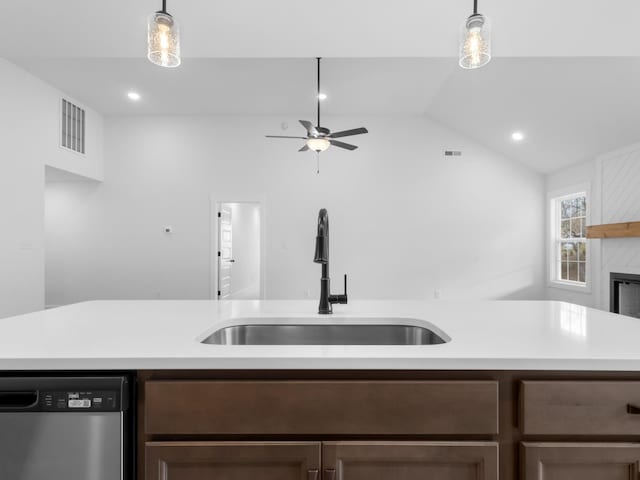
[[566, 73]]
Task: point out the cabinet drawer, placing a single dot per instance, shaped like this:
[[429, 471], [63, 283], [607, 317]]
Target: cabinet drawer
[[584, 461], [580, 408], [321, 407]]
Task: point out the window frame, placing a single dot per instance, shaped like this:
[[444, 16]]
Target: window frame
[[553, 202]]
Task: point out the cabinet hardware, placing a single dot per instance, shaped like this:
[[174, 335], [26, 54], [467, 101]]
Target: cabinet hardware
[[312, 474], [633, 409], [329, 474]]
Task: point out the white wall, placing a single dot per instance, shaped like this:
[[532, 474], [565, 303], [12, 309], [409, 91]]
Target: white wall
[[22, 129], [405, 220], [29, 122], [615, 197], [90, 166], [570, 180]]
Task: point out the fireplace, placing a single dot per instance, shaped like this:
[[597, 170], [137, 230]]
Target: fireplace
[[625, 294]]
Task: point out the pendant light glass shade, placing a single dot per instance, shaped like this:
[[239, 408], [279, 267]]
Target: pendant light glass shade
[[163, 40], [318, 144], [475, 42]]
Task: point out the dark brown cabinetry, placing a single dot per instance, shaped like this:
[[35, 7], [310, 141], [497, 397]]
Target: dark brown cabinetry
[[321, 407], [401, 425], [580, 408], [326, 461], [233, 460], [580, 461], [591, 410], [410, 460]]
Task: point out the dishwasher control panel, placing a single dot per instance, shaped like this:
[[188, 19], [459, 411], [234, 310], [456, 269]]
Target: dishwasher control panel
[[101, 401]]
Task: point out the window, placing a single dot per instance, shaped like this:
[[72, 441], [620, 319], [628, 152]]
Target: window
[[569, 250]]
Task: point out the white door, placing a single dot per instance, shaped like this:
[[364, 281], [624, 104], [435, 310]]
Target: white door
[[225, 251]]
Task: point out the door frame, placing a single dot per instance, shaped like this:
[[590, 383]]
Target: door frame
[[214, 206]]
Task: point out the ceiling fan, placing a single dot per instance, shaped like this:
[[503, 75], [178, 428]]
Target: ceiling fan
[[319, 138]]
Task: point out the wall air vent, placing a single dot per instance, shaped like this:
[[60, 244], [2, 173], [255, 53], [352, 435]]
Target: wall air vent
[[72, 127], [452, 153]]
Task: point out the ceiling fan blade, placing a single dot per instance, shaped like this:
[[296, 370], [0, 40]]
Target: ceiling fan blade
[[309, 126], [304, 148], [348, 146], [280, 136], [348, 133]]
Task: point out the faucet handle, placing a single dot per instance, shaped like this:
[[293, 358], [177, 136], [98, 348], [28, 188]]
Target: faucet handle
[[340, 298], [343, 298]]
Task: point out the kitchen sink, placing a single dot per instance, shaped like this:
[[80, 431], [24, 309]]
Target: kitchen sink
[[361, 333]]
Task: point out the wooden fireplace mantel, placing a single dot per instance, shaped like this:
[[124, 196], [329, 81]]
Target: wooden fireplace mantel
[[614, 230]]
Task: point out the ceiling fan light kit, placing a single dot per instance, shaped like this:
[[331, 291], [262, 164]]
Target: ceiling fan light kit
[[475, 40], [318, 144], [163, 39]]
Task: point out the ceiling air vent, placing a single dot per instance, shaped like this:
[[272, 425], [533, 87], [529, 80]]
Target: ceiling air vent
[[452, 153], [72, 127]]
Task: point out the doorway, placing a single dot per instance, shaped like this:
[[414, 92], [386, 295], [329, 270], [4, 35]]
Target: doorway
[[239, 251]]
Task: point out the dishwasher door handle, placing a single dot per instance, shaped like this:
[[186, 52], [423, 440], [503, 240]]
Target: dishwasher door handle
[[18, 399]]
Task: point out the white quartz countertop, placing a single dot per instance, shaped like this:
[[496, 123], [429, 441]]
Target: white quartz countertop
[[163, 334]]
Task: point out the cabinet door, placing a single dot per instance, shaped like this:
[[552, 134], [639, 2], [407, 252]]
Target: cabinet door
[[232, 461], [580, 461], [410, 460]]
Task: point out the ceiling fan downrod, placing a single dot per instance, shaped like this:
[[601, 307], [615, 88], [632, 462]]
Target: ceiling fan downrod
[[318, 92]]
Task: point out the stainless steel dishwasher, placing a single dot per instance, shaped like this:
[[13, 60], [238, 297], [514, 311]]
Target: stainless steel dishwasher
[[65, 428]]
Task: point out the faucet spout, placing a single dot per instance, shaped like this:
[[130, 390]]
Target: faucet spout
[[322, 257], [322, 238]]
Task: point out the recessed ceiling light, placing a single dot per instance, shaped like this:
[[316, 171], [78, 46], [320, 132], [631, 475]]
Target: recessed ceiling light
[[517, 136], [133, 96], [322, 96]]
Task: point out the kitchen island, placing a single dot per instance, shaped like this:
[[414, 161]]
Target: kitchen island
[[528, 390], [484, 335]]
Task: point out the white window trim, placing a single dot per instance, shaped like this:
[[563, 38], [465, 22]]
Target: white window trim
[[552, 198]]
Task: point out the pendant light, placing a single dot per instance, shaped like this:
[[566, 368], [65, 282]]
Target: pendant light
[[163, 39], [475, 41]]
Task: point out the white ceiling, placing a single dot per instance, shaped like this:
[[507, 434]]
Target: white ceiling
[[247, 57], [248, 86], [570, 109], [331, 28]]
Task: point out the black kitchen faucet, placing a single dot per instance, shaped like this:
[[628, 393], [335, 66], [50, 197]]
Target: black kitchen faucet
[[322, 257]]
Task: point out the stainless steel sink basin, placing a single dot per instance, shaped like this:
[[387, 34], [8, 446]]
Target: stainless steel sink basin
[[324, 334]]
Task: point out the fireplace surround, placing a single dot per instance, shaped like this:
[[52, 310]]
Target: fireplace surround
[[624, 297]]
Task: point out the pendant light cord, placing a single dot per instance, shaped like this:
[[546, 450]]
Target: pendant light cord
[[318, 93], [475, 7]]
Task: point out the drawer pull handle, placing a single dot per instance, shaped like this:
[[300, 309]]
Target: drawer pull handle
[[633, 410], [312, 474], [329, 475]]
